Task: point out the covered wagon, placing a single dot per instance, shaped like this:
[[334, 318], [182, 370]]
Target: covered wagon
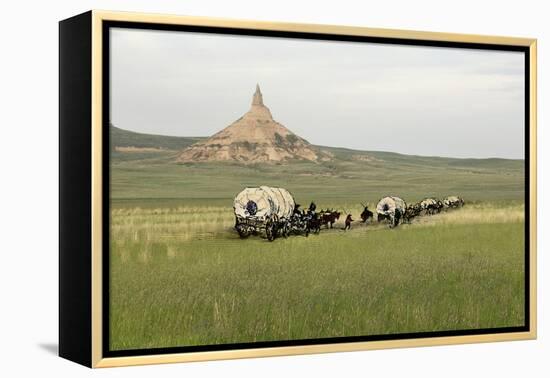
[[391, 209], [431, 205], [453, 201], [263, 210]]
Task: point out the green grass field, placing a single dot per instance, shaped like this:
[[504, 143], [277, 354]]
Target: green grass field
[[180, 275]]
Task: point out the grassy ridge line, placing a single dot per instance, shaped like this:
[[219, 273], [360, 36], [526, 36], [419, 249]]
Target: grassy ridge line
[[438, 161], [125, 138], [351, 176]]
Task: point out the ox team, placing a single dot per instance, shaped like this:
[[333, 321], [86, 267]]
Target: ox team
[[273, 212]]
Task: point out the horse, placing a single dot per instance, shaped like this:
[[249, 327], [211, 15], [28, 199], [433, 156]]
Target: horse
[[313, 223], [329, 217], [366, 214]]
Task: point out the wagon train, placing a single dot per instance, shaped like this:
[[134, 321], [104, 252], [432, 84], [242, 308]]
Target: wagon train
[[273, 212]]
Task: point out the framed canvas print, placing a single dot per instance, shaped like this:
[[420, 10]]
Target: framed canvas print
[[235, 189]]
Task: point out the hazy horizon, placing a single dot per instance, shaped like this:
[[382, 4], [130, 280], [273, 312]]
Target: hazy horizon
[[406, 99]]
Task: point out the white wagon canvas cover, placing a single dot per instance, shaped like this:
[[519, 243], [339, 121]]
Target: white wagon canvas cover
[[387, 205], [450, 200], [427, 202], [268, 201]]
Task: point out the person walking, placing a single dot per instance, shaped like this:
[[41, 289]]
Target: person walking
[[348, 222]]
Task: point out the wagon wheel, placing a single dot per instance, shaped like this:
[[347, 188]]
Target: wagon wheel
[[391, 221], [286, 230], [271, 230], [395, 220], [399, 217], [243, 232], [282, 227]]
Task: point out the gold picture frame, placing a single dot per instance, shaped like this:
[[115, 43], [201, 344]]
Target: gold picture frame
[[82, 41]]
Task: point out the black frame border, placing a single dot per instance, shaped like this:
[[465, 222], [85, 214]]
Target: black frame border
[[106, 25], [75, 189]]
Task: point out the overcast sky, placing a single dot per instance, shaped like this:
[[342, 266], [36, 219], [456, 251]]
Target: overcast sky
[[407, 99]]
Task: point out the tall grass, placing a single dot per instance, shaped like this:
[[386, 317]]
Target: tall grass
[[181, 276]]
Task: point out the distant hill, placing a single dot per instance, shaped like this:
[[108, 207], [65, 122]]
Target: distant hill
[[146, 167], [124, 139], [129, 141], [393, 159]]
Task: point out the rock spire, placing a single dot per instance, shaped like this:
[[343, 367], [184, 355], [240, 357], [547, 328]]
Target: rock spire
[[255, 137]]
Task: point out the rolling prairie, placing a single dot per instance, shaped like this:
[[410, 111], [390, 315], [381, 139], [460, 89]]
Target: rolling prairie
[[180, 275]]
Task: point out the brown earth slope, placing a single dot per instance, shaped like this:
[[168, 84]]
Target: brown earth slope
[[255, 137]]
